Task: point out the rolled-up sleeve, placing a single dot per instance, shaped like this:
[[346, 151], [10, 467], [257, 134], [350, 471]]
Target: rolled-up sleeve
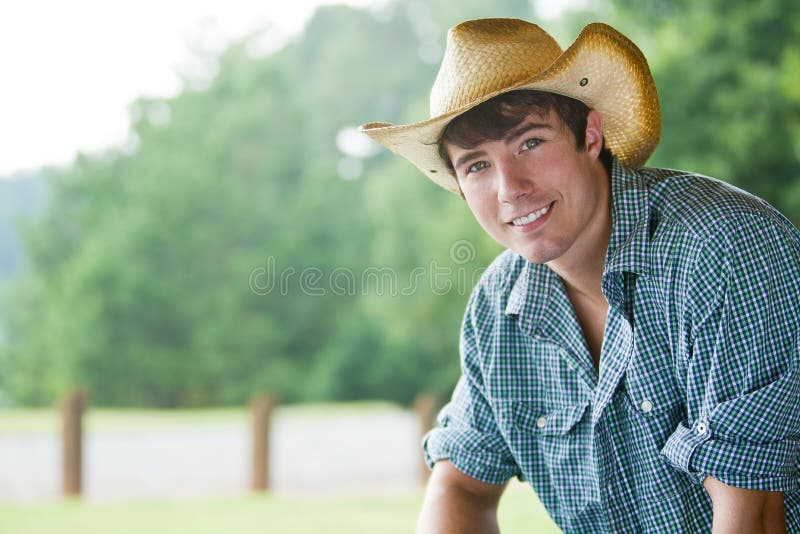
[[742, 378], [467, 433]]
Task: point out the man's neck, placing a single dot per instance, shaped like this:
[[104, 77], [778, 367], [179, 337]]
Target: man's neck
[[581, 268], [583, 282]]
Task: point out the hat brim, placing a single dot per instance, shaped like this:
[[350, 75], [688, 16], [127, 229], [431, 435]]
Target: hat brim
[[602, 68]]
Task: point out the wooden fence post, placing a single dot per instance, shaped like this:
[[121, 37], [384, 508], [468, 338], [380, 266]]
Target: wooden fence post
[[260, 411], [72, 408], [425, 407]]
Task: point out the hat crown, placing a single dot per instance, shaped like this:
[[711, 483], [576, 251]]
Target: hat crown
[[485, 56]]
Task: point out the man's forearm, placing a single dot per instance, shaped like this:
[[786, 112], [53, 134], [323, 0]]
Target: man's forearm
[[455, 503], [454, 511], [744, 511]]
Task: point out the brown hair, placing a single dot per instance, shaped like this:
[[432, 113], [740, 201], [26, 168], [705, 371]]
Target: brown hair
[[491, 120]]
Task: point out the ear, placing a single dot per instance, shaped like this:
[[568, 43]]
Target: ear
[[594, 133]]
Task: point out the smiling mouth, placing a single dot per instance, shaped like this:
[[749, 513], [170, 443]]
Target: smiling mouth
[[527, 219]]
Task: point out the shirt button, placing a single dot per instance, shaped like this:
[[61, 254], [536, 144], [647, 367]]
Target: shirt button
[[702, 428], [541, 422], [646, 405]]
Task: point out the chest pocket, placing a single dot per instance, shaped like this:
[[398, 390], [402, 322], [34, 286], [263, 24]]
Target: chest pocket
[[563, 440], [653, 408]]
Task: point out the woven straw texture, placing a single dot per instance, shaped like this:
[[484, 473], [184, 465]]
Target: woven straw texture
[[487, 57]]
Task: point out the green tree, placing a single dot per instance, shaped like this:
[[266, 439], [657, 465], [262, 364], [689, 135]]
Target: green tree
[[727, 74], [198, 268]]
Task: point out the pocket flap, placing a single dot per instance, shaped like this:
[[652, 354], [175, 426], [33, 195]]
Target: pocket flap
[[553, 421]]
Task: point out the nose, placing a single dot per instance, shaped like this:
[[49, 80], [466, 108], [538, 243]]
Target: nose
[[513, 181]]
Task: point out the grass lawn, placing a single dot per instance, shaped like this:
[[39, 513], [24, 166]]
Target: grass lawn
[[520, 513]]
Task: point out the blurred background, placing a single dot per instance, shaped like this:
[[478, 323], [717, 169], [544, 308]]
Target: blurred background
[[188, 217]]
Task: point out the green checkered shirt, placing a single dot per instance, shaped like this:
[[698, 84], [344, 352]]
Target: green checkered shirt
[[699, 373]]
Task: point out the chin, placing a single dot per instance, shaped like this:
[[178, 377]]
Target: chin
[[538, 259], [533, 257], [540, 254]]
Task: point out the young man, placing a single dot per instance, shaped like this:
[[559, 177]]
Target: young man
[[634, 354]]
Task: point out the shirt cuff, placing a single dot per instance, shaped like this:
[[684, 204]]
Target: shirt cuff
[[758, 466], [471, 452]]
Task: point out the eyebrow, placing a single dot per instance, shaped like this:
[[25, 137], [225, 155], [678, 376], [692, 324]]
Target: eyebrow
[[510, 136], [525, 128], [468, 156]]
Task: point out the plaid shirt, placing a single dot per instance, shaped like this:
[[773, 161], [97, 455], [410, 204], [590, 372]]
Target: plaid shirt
[[699, 374]]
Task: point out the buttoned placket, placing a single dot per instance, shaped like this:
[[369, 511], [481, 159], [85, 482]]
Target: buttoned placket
[[618, 348], [618, 344]]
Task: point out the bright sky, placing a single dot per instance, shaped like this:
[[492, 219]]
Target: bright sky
[[69, 69]]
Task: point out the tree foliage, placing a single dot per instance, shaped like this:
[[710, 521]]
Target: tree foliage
[[728, 75], [227, 254]]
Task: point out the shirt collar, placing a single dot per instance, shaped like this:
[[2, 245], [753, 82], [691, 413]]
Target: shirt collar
[[630, 222], [543, 311], [539, 299]]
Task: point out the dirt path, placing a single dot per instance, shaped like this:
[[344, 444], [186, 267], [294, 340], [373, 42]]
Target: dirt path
[[350, 452]]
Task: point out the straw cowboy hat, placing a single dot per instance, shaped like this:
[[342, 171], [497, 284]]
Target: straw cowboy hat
[[487, 57]]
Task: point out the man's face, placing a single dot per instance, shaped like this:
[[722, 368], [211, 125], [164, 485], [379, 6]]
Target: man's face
[[535, 192]]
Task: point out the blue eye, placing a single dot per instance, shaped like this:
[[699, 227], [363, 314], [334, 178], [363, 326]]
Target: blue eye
[[480, 165], [533, 142]]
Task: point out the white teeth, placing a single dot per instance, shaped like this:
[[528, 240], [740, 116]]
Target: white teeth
[[531, 217]]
